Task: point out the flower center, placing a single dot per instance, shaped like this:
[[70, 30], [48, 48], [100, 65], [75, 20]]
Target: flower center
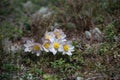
[[57, 34], [47, 37], [56, 45], [66, 48], [36, 47], [46, 45]]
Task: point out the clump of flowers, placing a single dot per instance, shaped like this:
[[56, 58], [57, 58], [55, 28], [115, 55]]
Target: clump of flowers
[[54, 41]]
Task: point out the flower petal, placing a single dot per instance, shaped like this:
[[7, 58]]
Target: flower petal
[[27, 50], [46, 50], [69, 53], [53, 51], [60, 49], [38, 54]]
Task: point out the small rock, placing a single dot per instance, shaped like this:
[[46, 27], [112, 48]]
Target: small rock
[[56, 25], [15, 47], [30, 77], [28, 6], [97, 37], [96, 30], [43, 13], [88, 35], [116, 38], [43, 10], [97, 34], [48, 15], [6, 44], [79, 78]]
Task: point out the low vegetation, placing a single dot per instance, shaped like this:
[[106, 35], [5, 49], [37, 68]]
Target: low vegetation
[[93, 26]]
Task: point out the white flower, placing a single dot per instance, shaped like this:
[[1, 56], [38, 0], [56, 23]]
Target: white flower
[[49, 36], [66, 48], [55, 46], [59, 34], [33, 47], [36, 48], [46, 45], [28, 46]]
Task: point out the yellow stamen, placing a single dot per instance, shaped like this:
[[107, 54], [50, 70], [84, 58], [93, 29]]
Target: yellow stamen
[[46, 45], [57, 34], [66, 48], [47, 37], [36, 47], [56, 45]]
